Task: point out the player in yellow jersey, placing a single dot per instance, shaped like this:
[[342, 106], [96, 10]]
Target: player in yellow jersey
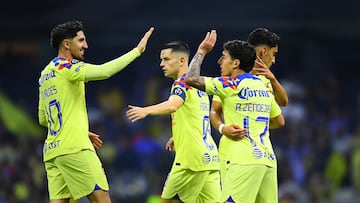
[[266, 44], [251, 170], [194, 176], [73, 168]]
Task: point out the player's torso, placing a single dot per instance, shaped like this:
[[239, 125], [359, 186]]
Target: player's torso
[[191, 129], [248, 105], [64, 105]]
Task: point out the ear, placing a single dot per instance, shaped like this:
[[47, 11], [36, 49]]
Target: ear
[[182, 60], [262, 52], [237, 63], [66, 44]]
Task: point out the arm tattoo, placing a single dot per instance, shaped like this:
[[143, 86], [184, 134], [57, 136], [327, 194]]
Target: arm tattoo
[[193, 75], [195, 64]]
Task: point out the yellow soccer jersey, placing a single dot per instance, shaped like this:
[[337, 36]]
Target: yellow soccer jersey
[[266, 82], [246, 102], [191, 129], [62, 101], [216, 98]]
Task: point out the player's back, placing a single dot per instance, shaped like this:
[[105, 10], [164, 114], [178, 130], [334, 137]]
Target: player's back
[[251, 106], [62, 98], [248, 103]]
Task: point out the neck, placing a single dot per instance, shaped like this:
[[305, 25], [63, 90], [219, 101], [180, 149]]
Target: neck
[[64, 54], [181, 72], [237, 72]]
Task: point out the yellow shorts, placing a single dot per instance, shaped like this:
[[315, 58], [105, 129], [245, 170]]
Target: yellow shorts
[[75, 175], [250, 183], [223, 166], [192, 186]]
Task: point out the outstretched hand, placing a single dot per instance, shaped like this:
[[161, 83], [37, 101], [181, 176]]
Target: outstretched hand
[[142, 44], [135, 113], [208, 43]]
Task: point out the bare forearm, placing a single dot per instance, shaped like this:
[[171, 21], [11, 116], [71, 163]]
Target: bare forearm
[[279, 92], [163, 108], [193, 77], [277, 122], [216, 120], [216, 114]]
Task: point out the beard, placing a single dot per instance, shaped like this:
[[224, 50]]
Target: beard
[[78, 57]]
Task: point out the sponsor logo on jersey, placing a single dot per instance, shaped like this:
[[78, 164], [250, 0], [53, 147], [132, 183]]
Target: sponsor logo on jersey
[[46, 77], [246, 92], [206, 158]]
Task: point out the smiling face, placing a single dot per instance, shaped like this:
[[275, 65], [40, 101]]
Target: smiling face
[[77, 45], [171, 62]]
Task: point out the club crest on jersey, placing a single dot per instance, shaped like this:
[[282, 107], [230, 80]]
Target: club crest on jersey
[[74, 61], [178, 91]]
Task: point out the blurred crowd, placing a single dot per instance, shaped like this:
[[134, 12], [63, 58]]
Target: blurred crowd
[[318, 150]]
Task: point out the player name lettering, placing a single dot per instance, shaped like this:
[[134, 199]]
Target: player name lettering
[[250, 107], [204, 106], [48, 92]]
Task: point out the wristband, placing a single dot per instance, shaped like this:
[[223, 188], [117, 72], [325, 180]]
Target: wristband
[[221, 127]]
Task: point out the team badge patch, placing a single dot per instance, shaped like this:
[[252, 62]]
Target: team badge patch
[[74, 61]]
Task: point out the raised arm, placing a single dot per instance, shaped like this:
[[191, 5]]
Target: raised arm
[[279, 91], [193, 77], [108, 69]]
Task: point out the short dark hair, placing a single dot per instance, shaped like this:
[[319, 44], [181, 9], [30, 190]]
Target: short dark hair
[[63, 31], [262, 36], [243, 51], [177, 46]]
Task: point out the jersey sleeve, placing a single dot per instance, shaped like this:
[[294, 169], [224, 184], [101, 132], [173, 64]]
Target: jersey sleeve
[[110, 68], [216, 99], [215, 86], [266, 82], [178, 90], [41, 112]]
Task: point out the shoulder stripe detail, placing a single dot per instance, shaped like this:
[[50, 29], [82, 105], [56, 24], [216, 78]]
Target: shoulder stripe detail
[[181, 82], [62, 63]]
